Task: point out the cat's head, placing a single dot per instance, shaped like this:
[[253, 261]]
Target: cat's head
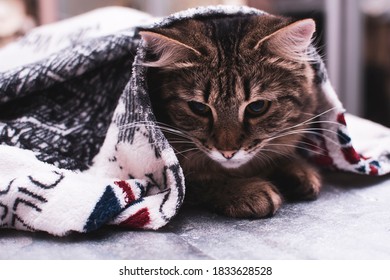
[[234, 85]]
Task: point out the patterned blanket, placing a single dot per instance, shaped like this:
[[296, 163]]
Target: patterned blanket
[[78, 144]]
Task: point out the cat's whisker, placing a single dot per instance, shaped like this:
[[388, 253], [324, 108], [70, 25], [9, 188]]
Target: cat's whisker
[[263, 158], [311, 145], [313, 131], [327, 122], [162, 126], [141, 125], [138, 125], [183, 136], [318, 133], [309, 114], [183, 139], [175, 132], [282, 153], [166, 125], [195, 155], [270, 159], [183, 152], [323, 151], [188, 150], [180, 142], [320, 114], [308, 121], [306, 130]]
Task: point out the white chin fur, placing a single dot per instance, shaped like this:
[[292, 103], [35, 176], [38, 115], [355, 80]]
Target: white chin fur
[[237, 161]]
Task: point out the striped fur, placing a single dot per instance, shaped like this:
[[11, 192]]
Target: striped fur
[[229, 64]]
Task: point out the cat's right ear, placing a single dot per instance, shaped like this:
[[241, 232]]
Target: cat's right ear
[[170, 53], [292, 41]]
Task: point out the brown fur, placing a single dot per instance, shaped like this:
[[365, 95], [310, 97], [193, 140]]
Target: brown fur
[[240, 162]]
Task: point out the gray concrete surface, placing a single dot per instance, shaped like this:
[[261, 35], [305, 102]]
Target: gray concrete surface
[[350, 220]]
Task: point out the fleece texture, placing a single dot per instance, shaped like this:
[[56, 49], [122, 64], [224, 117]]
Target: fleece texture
[[79, 145]]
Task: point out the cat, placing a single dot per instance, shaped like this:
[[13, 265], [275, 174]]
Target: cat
[[233, 95]]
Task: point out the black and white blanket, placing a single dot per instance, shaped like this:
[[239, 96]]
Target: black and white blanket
[[78, 144]]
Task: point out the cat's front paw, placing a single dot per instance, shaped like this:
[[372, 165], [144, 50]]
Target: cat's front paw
[[249, 198], [308, 184], [298, 182]]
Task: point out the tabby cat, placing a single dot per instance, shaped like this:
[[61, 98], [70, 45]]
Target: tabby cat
[[234, 94]]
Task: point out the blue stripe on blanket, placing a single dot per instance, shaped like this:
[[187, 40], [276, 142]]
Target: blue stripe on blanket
[[107, 208]]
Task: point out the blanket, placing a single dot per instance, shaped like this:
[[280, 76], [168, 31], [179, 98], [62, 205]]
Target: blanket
[[78, 144]]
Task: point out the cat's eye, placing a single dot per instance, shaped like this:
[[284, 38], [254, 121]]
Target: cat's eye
[[199, 108], [257, 108]]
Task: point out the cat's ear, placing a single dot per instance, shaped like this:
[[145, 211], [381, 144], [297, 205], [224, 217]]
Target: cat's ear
[[292, 41], [170, 52]]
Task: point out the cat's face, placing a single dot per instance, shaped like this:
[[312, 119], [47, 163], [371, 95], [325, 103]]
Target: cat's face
[[233, 89]]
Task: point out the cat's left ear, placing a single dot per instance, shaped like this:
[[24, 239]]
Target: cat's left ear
[[170, 52], [292, 41]]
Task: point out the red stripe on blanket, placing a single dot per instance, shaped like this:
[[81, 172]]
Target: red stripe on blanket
[[373, 170], [323, 160], [138, 220], [341, 119], [127, 190], [351, 155]]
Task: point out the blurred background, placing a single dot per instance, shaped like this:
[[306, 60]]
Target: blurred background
[[353, 36]]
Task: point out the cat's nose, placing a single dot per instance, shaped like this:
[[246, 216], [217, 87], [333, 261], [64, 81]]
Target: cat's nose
[[228, 154]]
